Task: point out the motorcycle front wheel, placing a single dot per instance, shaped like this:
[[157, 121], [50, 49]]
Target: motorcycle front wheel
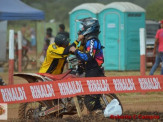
[[108, 98]]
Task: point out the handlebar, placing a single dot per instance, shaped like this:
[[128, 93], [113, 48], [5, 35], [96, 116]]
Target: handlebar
[[71, 59], [74, 65]]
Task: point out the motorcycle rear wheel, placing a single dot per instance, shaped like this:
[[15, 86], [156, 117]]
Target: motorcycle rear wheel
[[28, 111]]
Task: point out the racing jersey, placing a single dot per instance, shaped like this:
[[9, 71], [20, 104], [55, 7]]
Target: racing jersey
[[92, 54], [55, 59]]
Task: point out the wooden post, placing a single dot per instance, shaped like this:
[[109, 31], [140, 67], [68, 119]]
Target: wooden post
[[19, 51], [11, 56], [77, 107], [142, 51]]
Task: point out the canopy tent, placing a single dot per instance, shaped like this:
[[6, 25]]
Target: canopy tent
[[17, 10]]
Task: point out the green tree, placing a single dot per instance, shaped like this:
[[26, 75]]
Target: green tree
[[59, 9], [155, 10]]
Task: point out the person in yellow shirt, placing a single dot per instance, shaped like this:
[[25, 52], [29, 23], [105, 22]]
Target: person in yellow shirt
[[56, 58], [56, 55]]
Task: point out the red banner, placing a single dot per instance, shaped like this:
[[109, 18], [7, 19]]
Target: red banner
[[79, 86]]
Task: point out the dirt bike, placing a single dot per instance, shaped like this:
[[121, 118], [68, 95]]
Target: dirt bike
[[60, 107]]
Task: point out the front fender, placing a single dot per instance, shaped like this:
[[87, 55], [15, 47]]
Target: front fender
[[31, 77]]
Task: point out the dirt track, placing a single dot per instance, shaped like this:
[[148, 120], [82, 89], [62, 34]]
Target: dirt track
[[98, 118], [138, 117], [133, 103], [135, 117]]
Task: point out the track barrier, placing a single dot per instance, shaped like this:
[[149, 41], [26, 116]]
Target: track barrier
[[142, 51], [19, 51], [79, 86], [11, 56]]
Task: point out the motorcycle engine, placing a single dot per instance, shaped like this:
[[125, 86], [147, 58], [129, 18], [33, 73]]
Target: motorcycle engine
[[70, 105]]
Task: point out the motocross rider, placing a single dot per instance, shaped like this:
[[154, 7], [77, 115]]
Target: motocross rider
[[92, 55], [56, 55], [56, 58]]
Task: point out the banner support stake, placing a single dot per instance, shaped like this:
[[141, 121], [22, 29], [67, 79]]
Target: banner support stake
[[77, 107]]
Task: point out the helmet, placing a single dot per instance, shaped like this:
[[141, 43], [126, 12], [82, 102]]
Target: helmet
[[61, 40], [90, 25]]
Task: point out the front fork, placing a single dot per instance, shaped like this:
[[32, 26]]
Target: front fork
[[105, 99]]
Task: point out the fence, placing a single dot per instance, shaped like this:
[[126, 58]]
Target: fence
[[130, 90]]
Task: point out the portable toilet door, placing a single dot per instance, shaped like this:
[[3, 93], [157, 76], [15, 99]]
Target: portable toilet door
[[113, 34], [111, 37], [80, 12]]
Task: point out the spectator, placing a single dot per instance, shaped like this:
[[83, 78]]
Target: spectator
[[62, 31], [33, 38], [25, 46], [25, 41], [16, 41], [49, 35], [156, 64], [159, 43], [49, 39], [24, 30], [157, 60]]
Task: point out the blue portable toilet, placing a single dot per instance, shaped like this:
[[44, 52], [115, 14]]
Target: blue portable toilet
[[80, 12], [120, 23]]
